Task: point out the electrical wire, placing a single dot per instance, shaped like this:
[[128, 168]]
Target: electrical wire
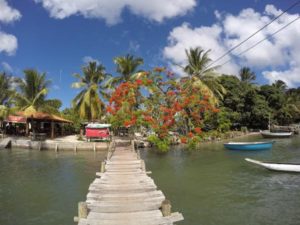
[[256, 32], [266, 38]]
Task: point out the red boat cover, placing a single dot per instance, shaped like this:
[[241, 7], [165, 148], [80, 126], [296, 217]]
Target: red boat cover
[[97, 132]]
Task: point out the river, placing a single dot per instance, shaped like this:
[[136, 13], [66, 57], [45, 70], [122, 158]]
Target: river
[[211, 186]]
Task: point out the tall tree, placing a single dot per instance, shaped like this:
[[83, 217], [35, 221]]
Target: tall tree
[[201, 74], [32, 93], [6, 95], [246, 75], [6, 92], [88, 103], [280, 85], [127, 68]]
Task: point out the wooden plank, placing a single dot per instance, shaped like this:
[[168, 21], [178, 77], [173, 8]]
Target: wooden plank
[[121, 216], [134, 220], [105, 196], [159, 199], [124, 194]]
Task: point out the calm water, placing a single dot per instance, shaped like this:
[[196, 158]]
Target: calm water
[[210, 186]]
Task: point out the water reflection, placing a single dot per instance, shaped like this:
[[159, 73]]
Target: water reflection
[[216, 186], [44, 187]]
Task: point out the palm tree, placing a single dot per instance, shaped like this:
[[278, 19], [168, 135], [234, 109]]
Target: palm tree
[[201, 74], [6, 95], [280, 85], [7, 92], [32, 93], [127, 67], [246, 75], [88, 102]]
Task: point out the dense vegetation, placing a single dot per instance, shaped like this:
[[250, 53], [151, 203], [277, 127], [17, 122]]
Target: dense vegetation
[[158, 100]]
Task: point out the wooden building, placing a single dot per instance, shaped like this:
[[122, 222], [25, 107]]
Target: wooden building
[[37, 124]]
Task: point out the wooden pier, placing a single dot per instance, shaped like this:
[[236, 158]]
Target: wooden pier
[[124, 194]]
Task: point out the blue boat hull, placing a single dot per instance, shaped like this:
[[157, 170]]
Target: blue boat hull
[[250, 147]]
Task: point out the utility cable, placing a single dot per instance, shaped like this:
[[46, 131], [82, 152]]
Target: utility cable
[[259, 42], [256, 32]]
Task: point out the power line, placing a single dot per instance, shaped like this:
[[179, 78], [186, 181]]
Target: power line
[[230, 50], [259, 42]]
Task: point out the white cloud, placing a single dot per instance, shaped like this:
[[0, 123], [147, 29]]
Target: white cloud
[[291, 76], [185, 37], [8, 43], [6, 67], [111, 10], [8, 14], [87, 59], [279, 51]]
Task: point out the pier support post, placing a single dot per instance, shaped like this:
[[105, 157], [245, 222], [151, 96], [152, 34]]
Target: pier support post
[[166, 208], [56, 147], [102, 167], [94, 147], [75, 147], [82, 210]]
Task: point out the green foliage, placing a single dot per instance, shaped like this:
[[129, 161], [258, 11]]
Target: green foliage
[[88, 103], [220, 121], [193, 142], [163, 145], [127, 68], [71, 114], [246, 75], [245, 100], [202, 75], [244, 129], [32, 93]]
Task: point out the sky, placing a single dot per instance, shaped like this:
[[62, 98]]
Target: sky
[[58, 37]]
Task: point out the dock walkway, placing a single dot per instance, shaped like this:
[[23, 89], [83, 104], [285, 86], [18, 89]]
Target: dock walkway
[[124, 194]]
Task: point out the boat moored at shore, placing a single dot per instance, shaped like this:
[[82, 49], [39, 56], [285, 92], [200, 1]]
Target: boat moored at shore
[[269, 134], [249, 146], [283, 167]]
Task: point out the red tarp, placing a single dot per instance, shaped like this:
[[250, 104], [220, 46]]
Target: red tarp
[[16, 119], [97, 132]]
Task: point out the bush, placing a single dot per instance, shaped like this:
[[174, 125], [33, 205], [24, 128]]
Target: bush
[[162, 144], [244, 130]]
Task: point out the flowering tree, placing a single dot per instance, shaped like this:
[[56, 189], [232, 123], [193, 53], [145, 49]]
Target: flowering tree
[[166, 105]]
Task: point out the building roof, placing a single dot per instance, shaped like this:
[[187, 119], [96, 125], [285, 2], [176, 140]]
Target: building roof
[[15, 119], [43, 116]]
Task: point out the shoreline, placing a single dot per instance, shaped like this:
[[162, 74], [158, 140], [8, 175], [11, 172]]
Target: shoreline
[[68, 143]]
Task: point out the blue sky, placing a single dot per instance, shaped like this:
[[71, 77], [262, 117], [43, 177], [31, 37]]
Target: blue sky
[[56, 37]]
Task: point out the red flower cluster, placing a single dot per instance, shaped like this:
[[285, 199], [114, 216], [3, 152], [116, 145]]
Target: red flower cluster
[[198, 130], [183, 140]]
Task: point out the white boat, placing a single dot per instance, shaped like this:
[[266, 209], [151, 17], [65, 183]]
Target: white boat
[[269, 134], [276, 166]]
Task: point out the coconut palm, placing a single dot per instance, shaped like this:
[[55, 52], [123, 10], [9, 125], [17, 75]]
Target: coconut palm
[[88, 102], [201, 74], [32, 93], [6, 95], [246, 75], [127, 67], [280, 85], [7, 92]]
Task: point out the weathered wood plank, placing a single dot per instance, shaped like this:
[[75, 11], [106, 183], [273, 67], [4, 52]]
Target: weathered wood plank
[[124, 194]]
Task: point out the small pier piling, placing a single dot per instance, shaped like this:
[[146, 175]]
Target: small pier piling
[[124, 194]]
